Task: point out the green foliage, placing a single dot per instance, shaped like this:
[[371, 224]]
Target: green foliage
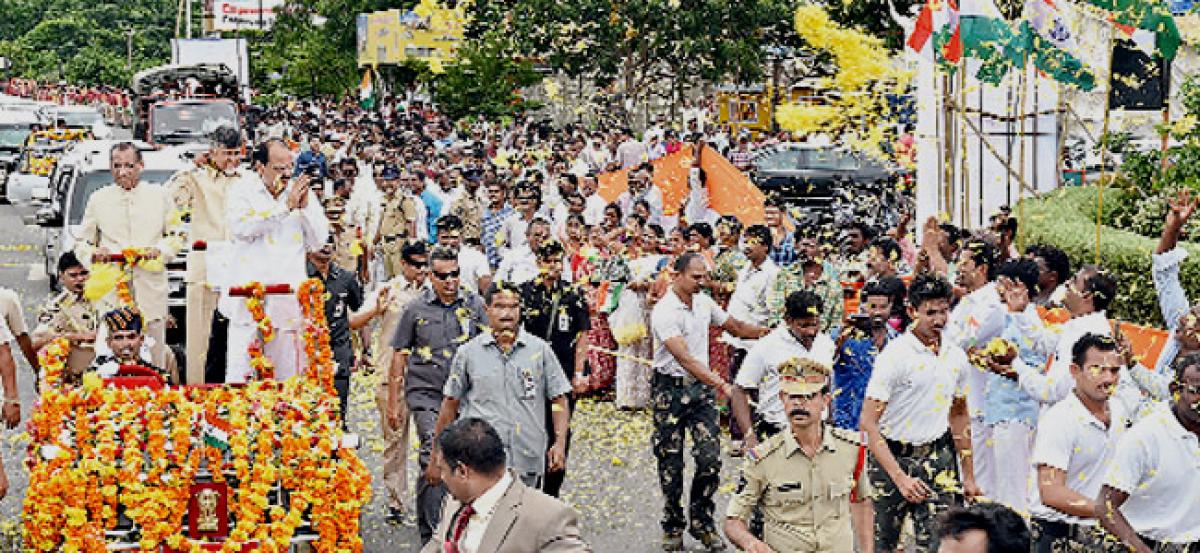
[[83, 41], [485, 81], [1067, 218]]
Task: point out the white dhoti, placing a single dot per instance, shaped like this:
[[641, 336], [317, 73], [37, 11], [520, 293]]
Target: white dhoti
[[286, 352], [1012, 445], [983, 455]]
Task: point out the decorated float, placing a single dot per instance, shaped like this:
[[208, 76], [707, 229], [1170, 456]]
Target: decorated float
[[131, 464]]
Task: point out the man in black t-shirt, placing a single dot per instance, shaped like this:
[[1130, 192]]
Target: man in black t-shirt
[[555, 311], [344, 296]]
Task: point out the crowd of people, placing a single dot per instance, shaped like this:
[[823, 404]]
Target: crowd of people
[[477, 269]]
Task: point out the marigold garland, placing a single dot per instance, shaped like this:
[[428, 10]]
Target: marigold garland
[[97, 452]]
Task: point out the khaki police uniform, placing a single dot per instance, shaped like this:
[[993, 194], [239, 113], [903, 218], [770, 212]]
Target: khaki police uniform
[[399, 214], [344, 235], [805, 501], [64, 314]]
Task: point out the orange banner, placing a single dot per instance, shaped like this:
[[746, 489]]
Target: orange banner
[[729, 190]]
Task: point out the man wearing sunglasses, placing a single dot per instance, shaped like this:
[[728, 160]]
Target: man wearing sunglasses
[[430, 331]]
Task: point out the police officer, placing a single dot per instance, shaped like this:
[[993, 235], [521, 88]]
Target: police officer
[[343, 235], [398, 223], [807, 480], [69, 315]]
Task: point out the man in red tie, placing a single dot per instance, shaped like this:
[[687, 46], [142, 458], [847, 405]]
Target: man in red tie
[[489, 510]]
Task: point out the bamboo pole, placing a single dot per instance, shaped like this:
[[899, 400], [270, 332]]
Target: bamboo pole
[[1100, 185], [1022, 96]]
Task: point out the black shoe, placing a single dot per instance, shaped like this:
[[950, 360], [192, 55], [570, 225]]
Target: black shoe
[[709, 538], [672, 541], [396, 517]]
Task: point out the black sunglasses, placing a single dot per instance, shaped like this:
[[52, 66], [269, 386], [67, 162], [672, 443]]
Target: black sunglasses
[[447, 275]]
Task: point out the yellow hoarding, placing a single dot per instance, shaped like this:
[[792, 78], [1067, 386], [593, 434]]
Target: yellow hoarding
[[428, 33]]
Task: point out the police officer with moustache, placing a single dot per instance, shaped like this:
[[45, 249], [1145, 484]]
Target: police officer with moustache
[[69, 315], [807, 480]]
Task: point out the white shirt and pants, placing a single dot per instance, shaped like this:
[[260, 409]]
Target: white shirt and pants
[[976, 320], [269, 243]]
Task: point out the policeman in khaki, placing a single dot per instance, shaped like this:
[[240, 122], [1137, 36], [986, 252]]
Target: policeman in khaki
[[69, 315], [398, 222], [807, 480]]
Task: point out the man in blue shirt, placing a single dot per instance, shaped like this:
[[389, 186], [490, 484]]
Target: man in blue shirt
[[433, 205], [860, 342], [312, 158]]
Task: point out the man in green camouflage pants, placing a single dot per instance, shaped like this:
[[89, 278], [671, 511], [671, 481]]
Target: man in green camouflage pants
[[684, 398]]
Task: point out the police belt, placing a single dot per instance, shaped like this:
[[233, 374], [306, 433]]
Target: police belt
[[394, 237], [667, 379], [902, 449], [1060, 530]]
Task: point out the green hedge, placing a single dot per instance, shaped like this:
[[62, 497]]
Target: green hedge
[[1066, 218]]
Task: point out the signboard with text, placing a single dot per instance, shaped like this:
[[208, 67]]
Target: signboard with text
[[235, 15]]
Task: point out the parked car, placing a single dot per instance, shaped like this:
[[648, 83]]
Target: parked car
[[829, 184], [81, 117]]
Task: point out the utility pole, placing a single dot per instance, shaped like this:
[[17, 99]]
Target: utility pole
[[129, 49], [188, 16]]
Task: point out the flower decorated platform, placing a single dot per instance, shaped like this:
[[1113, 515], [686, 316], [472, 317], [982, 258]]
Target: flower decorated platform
[[124, 465]]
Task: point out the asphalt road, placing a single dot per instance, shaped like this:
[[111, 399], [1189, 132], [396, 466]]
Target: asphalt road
[[611, 479]]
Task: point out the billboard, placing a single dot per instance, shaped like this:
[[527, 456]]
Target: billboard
[[235, 15], [428, 33]]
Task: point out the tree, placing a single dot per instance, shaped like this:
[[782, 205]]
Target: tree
[[485, 81]]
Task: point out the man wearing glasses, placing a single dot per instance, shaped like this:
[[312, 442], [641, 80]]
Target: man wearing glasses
[[432, 327], [512, 234], [129, 215], [273, 223]]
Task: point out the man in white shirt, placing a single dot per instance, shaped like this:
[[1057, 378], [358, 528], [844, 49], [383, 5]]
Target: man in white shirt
[[512, 233], [1151, 497], [593, 210], [915, 417], [1088, 295], [749, 300], [684, 399], [642, 187], [799, 337], [631, 152], [476, 274], [1076, 439], [273, 226], [977, 318], [490, 511]]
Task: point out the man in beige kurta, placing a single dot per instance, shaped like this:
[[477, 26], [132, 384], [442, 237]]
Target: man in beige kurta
[[200, 193], [128, 214]]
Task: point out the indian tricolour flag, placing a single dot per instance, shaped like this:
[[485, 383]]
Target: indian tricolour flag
[[938, 20], [366, 91], [216, 431]]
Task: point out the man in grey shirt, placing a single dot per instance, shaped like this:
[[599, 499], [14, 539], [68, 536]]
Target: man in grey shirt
[[504, 376], [433, 326]]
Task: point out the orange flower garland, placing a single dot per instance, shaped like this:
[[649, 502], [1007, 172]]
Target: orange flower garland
[[96, 450]]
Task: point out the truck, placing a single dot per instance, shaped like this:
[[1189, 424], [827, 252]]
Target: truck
[[183, 104]]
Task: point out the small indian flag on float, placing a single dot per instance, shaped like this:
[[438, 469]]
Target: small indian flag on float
[[216, 431]]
